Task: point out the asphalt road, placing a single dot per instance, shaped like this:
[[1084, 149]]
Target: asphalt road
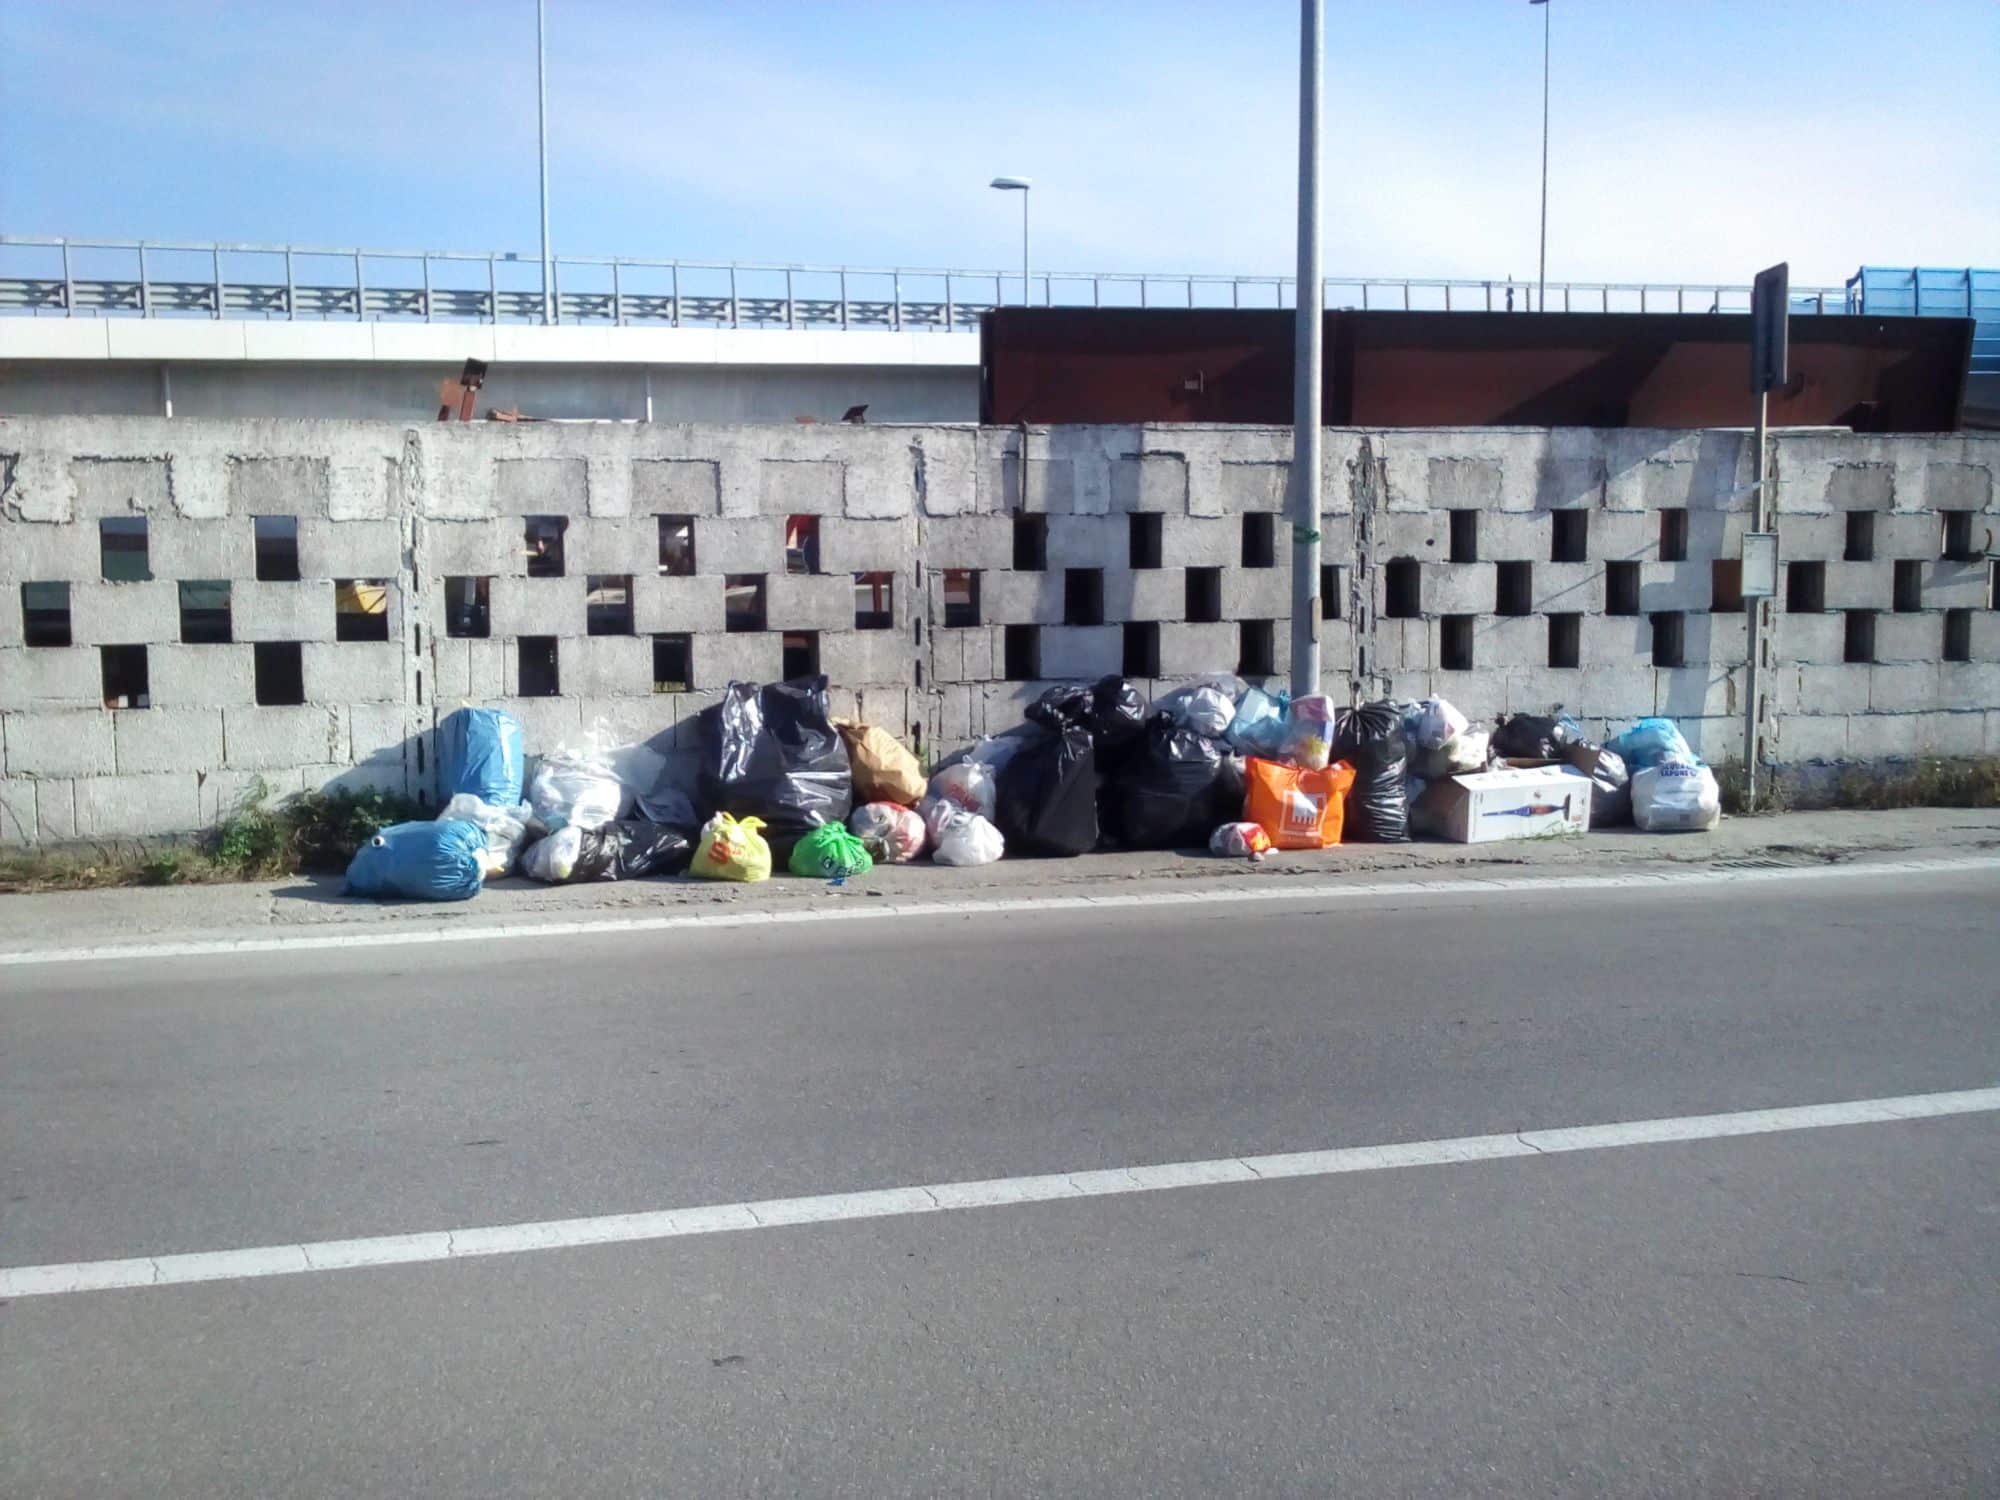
[[1804, 1313]]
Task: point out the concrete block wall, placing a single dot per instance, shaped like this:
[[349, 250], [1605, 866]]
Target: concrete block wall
[[1207, 588]]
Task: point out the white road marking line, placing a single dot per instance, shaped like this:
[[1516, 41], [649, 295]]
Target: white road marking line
[[356, 936], [678, 1223]]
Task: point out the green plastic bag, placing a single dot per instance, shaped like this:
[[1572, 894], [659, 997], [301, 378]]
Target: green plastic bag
[[830, 852]]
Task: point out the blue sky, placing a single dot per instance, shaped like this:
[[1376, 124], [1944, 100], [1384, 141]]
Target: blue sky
[[1690, 140]]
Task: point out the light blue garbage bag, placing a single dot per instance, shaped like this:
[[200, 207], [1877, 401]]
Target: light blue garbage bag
[[1650, 743], [480, 751], [420, 862], [1259, 725]]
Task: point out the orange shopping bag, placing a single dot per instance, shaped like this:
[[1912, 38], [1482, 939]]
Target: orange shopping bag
[[1300, 809]]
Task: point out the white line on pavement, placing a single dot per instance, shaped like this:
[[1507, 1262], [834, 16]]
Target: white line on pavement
[[353, 935], [939, 1197]]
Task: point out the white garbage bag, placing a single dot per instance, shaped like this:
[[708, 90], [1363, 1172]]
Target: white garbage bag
[[553, 860], [577, 784], [1676, 798], [1466, 751], [1435, 723], [969, 786], [505, 828], [1207, 707], [967, 839]]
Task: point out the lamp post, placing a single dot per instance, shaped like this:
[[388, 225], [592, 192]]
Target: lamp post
[[1307, 372], [1019, 185], [1542, 263], [542, 126]]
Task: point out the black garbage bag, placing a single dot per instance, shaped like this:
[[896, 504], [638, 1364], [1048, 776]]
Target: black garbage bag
[[1171, 791], [1046, 795], [632, 849], [1610, 787], [1370, 738], [771, 752], [1117, 717], [1535, 736]]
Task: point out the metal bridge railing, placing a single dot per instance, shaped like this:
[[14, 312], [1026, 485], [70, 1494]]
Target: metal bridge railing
[[162, 279]]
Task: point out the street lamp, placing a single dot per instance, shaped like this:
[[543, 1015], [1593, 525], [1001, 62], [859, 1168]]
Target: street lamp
[[542, 129], [1019, 185], [1542, 268]]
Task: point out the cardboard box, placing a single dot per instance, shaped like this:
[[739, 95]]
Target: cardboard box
[[1508, 802]]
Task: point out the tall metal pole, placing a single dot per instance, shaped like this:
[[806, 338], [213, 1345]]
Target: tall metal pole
[[1542, 267], [542, 124], [1759, 515], [1027, 299], [1306, 372]]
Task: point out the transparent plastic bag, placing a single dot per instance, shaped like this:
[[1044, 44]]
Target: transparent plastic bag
[[578, 784], [505, 829], [965, 839]]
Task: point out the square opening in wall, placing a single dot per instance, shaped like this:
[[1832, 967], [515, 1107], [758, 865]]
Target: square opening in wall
[[1565, 640], [1022, 655], [677, 546], [468, 611], [1805, 588], [1083, 596], [1674, 534], [1958, 544], [361, 609], [280, 672], [1725, 586], [121, 549], [1403, 589], [1958, 635], [1993, 585], [1621, 588], [1256, 650], [743, 602], [1860, 537], [1669, 638], [874, 601], [1569, 542], [1144, 539], [673, 663], [277, 544], [1142, 648], [1909, 586], [961, 598], [1514, 588], [205, 612], [802, 544], [1260, 539], [1331, 590], [607, 604], [1031, 544], [539, 667], [45, 614], [1860, 646], [1455, 643], [801, 654], [124, 669], [1203, 604], [1464, 536], [543, 540]]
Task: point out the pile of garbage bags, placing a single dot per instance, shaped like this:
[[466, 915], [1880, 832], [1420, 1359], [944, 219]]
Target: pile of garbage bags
[[776, 782]]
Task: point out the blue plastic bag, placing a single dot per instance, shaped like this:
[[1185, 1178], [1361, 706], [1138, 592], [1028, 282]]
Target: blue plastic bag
[[480, 751], [1259, 725], [1650, 743], [420, 862]]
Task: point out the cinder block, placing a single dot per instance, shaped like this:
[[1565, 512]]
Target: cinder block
[[1985, 636], [1520, 536], [1622, 536], [1073, 651], [55, 810], [281, 611], [1615, 640], [1958, 486], [163, 802], [1698, 692], [855, 658], [353, 671], [38, 552], [121, 487], [370, 776], [1569, 588], [1406, 646], [33, 677], [867, 546], [1254, 486], [472, 549], [1145, 594], [801, 486], [224, 548], [1194, 650], [1510, 641], [605, 666], [384, 731], [73, 743], [1160, 483], [167, 739], [541, 487], [1200, 542], [630, 719], [223, 794], [1007, 598], [1822, 689], [1481, 695], [116, 614], [1424, 535], [688, 709], [1089, 542], [747, 544], [1721, 640], [264, 738], [1905, 534], [1618, 692], [1460, 588], [1859, 585], [546, 723], [1860, 486], [677, 605], [1811, 638], [676, 487], [749, 656], [800, 601], [1256, 593], [538, 606], [984, 656], [346, 549], [1882, 736], [464, 669], [1958, 585], [1799, 738], [19, 824], [1962, 733], [278, 486], [617, 546], [1816, 538], [1673, 586], [968, 542], [1905, 688], [1909, 638], [1463, 483]]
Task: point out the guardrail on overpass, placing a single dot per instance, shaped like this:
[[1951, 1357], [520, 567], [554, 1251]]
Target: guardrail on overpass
[[171, 279]]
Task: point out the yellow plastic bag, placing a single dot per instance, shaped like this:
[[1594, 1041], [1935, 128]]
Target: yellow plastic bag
[[732, 850], [884, 769]]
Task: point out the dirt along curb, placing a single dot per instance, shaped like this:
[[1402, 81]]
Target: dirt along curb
[[131, 916]]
